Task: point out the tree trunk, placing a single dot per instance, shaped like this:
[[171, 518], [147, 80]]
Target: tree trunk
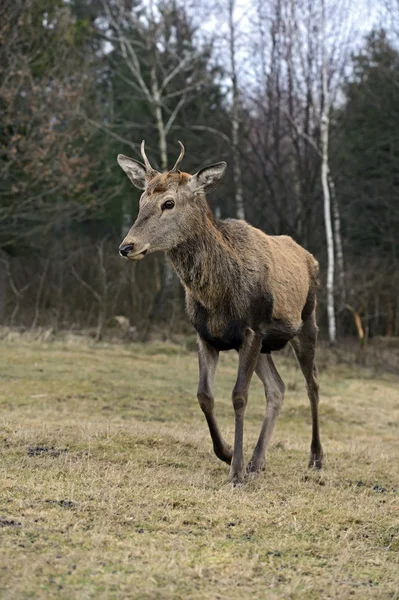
[[3, 286], [168, 278], [235, 120], [326, 192], [163, 149], [389, 329], [338, 242], [329, 235], [126, 215]]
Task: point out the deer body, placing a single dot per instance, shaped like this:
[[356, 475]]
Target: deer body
[[245, 290], [236, 277]]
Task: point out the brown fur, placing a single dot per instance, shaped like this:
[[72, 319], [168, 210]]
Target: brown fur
[[163, 181], [228, 267], [244, 290]]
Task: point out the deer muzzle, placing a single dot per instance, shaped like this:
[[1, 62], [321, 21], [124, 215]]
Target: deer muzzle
[[132, 252]]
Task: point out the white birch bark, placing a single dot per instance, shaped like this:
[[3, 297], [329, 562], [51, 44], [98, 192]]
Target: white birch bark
[[339, 251], [163, 150], [324, 130]]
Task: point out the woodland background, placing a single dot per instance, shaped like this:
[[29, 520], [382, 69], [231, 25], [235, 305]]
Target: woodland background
[[300, 97]]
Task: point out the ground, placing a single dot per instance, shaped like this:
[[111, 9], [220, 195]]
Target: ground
[[110, 489]]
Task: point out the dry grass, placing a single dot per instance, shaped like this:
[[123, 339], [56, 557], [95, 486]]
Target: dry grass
[[110, 488]]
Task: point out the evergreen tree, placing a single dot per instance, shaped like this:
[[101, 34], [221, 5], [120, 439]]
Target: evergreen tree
[[366, 151]]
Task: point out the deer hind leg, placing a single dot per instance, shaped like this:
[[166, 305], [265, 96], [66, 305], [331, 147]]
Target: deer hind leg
[[247, 359], [304, 346], [274, 391], [208, 359]]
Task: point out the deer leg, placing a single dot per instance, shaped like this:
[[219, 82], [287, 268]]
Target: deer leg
[[274, 391], [304, 345], [208, 359], [247, 358]]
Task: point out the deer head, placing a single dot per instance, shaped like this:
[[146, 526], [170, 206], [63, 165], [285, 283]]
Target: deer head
[[170, 205]]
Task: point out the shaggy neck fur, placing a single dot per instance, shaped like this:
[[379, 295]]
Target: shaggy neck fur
[[206, 262]]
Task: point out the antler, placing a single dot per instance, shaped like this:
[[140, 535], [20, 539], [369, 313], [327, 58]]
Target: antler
[[181, 155], [150, 170]]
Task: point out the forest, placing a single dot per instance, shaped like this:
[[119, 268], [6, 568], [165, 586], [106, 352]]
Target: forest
[[300, 98]]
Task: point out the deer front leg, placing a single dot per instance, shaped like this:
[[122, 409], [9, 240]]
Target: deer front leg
[[208, 359], [247, 359]]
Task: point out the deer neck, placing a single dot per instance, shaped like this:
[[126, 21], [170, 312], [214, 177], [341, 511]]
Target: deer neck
[[205, 264]]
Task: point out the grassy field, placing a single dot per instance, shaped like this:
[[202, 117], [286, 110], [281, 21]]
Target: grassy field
[[110, 489]]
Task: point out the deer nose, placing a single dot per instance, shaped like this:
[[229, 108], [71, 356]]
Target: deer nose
[[124, 249]]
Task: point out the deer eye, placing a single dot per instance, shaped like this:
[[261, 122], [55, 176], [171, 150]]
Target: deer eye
[[168, 204]]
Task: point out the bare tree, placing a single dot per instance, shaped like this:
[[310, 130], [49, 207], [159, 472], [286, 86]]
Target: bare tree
[[314, 55], [103, 290], [339, 250], [324, 131], [158, 74], [235, 114], [146, 55]]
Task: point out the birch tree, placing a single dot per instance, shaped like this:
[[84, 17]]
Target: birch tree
[[302, 52], [339, 250], [160, 71], [235, 114], [324, 131]]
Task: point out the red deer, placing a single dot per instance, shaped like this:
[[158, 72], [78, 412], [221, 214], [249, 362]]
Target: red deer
[[245, 290]]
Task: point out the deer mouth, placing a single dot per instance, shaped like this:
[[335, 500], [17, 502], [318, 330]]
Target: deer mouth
[[139, 255]]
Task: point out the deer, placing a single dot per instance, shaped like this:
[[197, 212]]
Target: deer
[[244, 290]]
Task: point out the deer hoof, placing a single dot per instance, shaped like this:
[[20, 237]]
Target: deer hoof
[[315, 461], [236, 478], [225, 454], [235, 484], [255, 468]]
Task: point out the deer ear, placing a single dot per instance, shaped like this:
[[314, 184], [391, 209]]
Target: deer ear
[[208, 178], [134, 169]]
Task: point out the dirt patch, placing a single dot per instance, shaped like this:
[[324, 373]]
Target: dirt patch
[[62, 503], [375, 487], [45, 450], [9, 523]]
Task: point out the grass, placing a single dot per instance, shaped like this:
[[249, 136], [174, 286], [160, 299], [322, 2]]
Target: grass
[[110, 489]]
